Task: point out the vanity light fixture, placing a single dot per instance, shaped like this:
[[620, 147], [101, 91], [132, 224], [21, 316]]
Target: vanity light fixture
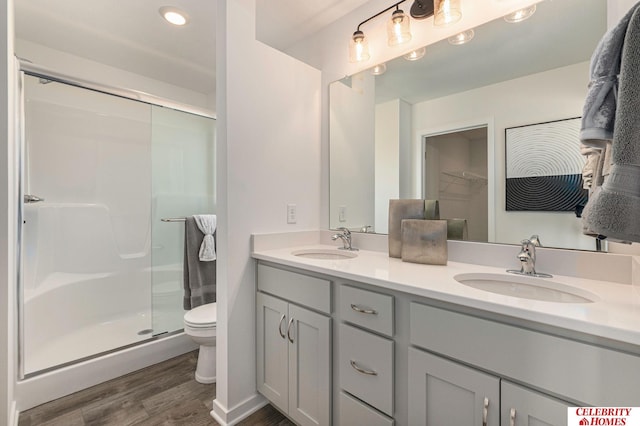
[[174, 15], [462, 38], [414, 55], [379, 69], [422, 9], [520, 15], [446, 12], [397, 28]]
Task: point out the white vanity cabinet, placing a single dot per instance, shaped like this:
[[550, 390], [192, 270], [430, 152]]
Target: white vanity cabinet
[[294, 344], [446, 392], [366, 355], [442, 392], [333, 350], [579, 373], [524, 407]]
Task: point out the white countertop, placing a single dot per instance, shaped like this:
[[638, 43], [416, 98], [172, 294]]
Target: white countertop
[[615, 315]]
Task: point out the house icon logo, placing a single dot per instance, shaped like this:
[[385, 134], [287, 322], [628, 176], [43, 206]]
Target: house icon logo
[[584, 421]]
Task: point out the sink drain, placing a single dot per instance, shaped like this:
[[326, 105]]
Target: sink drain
[[145, 331]]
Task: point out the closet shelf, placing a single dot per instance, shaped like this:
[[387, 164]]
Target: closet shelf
[[464, 174]]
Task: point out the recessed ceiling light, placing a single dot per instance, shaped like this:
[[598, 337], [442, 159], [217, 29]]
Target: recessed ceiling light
[[174, 15]]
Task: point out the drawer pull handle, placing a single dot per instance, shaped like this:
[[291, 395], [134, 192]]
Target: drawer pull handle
[[363, 311], [289, 327], [485, 411], [512, 417], [280, 326], [362, 370]]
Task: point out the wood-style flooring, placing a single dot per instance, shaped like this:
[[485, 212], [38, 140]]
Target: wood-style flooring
[[163, 394]]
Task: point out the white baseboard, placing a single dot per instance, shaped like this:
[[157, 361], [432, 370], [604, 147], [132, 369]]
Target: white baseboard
[[239, 412]]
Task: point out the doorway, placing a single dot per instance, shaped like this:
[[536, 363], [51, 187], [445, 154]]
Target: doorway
[[455, 173]]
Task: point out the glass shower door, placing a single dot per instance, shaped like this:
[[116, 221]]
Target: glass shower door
[[86, 266], [183, 184]]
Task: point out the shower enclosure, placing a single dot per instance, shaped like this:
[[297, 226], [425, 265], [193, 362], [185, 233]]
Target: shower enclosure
[[100, 269]]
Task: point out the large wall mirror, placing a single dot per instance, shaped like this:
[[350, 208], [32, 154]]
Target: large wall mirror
[[435, 127]]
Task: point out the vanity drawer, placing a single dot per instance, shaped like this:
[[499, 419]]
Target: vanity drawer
[[366, 367], [367, 309], [354, 412], [307, 291]]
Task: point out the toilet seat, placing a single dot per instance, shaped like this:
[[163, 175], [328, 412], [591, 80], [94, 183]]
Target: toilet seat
[[204, 316]]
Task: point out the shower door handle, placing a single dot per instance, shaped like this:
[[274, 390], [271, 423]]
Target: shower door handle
[[29, 199]]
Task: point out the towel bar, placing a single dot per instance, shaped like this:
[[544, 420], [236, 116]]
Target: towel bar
[[173, 219]]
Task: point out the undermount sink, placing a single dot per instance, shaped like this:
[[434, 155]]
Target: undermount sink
[[328, 254], [526, 287]]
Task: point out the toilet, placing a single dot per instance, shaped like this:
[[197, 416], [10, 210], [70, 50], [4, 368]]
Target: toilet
[[200, 324]]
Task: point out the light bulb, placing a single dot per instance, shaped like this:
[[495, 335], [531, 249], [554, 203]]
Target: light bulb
[[358, 47], [398, 30]]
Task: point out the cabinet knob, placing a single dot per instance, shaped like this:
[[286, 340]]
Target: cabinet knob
[[363, 311], [362, 370], [512, 417], [280, 326]]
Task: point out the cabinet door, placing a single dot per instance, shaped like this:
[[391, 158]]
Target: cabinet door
[[442, 392], [309, 367], [272, 349], [524, 407]]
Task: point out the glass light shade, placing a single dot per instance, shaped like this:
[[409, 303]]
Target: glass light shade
[[462, 38], [414, 55], [379, 69], [446, 12], [520, 15], [358, 48], [398, 28]]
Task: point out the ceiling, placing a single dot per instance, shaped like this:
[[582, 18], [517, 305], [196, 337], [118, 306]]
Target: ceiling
[[129, 35], [134, 37]]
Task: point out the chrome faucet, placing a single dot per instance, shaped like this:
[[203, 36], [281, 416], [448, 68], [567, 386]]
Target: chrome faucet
[[345, 236], [527, 258]]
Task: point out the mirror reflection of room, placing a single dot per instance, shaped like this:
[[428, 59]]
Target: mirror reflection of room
[[382, 120]]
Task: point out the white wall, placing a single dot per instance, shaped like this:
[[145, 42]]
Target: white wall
[[268, 156], [527, 100], [392, 163], [352, 155], [7, 219]]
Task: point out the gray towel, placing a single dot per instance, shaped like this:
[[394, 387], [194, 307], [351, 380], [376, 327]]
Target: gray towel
[[599, 113], [199, 277], [614, 208]]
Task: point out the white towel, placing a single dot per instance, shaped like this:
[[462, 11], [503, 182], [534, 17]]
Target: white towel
[[207, 225]]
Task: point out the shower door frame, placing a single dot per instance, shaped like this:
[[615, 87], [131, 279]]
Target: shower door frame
[[31, 69]]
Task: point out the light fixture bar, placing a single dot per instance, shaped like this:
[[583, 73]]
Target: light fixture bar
[[379, 13]]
